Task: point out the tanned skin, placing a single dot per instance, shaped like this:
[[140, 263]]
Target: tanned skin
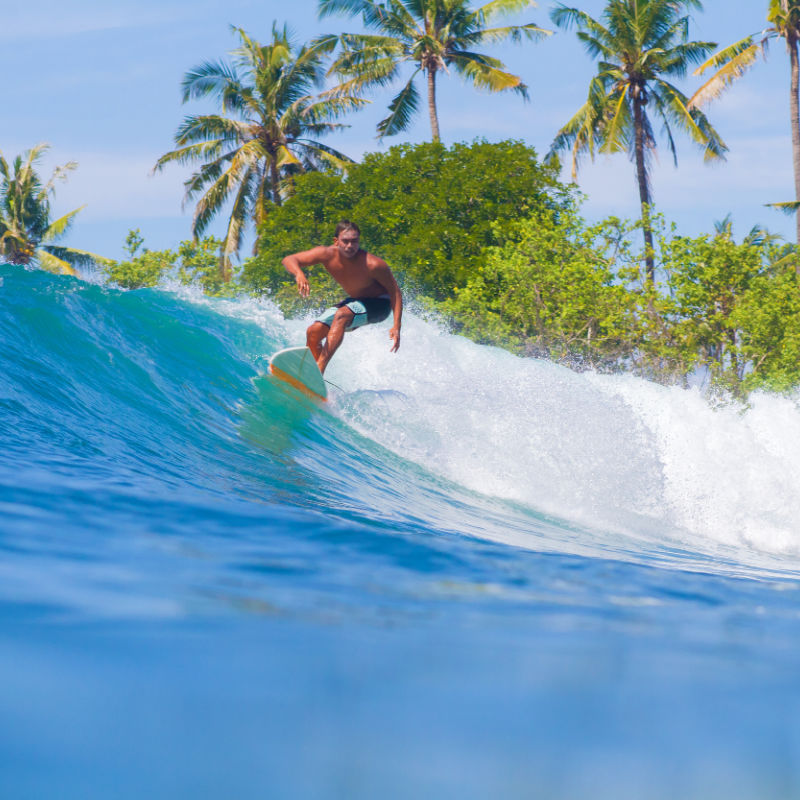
[[360, 274]]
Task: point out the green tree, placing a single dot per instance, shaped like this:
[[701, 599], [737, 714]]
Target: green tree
[[195, 262], [431, 35], [726, 307], [28, 235], [768, 318], [427, 209], [200, 264], [730, 63], [707, 277], [250, 151], [637, 42], [552, 289], [144, 268]]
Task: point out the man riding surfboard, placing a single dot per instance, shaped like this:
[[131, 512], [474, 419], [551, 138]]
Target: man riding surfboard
[[371, 288]]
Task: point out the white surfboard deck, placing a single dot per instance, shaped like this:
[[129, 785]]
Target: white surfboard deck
[[297, 367]]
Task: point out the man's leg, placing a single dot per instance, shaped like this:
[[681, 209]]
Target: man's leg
[[344, 316], [315, 333]]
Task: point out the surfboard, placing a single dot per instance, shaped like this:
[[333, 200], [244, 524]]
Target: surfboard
[[296, 366]]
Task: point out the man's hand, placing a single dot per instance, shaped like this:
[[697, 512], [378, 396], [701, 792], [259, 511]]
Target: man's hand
[[302, 284], [394, 335]]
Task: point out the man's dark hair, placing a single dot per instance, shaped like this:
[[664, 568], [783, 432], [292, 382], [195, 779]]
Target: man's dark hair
[[346, 225]]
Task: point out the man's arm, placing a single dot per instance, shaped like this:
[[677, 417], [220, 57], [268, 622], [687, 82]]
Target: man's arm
[[383, 275], [295, 262]]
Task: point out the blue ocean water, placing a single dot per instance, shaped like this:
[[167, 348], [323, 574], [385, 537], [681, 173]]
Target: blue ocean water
[[468, 575]]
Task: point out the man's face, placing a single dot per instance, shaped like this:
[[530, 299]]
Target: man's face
[[348, 242]]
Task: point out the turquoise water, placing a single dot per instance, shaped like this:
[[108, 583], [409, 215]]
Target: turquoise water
[[468, 575]]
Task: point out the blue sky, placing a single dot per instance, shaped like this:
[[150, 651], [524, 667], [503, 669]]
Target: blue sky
[[101, 84]]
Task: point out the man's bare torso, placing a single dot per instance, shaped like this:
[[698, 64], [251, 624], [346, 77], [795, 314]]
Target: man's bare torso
[[354, 275]]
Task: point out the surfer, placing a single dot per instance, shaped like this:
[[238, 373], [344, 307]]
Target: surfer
[[371, 288]]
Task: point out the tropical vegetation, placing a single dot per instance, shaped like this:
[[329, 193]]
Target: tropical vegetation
[[250, 152], [430, 36], [482, 235], [195, 262], [428, 209], [28, 234], [637, 44], [506, 259], [730, 63]]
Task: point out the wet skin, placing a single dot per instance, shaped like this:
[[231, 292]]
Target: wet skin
[[360, 274]]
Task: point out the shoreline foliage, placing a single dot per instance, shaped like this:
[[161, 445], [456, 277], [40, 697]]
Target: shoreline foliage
[[483, 234], [197, 262], [28, 235], [427, 209], [487, 236]]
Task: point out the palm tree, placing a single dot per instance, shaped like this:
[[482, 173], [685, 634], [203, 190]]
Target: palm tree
[[756, 236], [637, 42], [431, 35], [27, 234], [250, 151], [732, 62]]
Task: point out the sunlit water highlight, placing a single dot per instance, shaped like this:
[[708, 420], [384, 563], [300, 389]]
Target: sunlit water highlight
[[467, 575]]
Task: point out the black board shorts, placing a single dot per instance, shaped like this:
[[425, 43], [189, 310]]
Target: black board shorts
[[367, 311]]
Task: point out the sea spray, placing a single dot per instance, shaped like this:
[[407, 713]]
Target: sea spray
[[170, 384]]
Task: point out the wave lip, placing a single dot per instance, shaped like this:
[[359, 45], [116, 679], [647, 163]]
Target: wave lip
[[167, 388]]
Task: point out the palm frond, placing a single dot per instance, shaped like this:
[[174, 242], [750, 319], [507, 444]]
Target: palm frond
[[595, 46], [59, 174], [212, 78], [377, 74], [789, 208], [395, 18], [666, 116], [206, 127], [513, 33], [352, 8], [486, 76], [201, 151], [678, 59], [368, 45], [401, 110], [692, 120], [52, 263], [60, 226], [730, 63], [580, 132], [496, 8], [331, 107], [72, 256], [567, 18], [617, 124], [327, 154], [206, 175], [243, 161], [237, 221], [284, 157]]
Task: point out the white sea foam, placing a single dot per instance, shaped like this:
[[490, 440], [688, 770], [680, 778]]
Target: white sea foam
[[616, 453]]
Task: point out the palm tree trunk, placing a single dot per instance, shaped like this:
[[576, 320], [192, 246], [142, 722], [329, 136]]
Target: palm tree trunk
[[644, 189], [791, 43], [225, 268], [274, 182], [432, 102]]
